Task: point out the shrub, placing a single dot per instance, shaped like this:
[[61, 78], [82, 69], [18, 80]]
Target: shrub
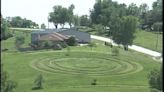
[[108, 44], [38, 83], [68, 51], [71, 41], [94, 82], [57, 47], [19, 40], [115, 51]]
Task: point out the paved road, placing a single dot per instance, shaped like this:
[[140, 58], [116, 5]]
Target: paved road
[[133, 47]]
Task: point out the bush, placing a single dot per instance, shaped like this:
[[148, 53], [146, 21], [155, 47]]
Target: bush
[[72, 41], [155, 79], [108, 44], [68, 51], [19, 40], [63, 44], [38, 83], [92, 44], [57, 47], [94, 82], [115, 51]]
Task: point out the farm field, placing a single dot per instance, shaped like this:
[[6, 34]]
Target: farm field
[[75, 70]]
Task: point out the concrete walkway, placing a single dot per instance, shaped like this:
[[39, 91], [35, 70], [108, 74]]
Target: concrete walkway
[[133, 47]]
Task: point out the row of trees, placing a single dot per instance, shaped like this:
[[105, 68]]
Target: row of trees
[[21, 22], [106, 12], [62, 15]]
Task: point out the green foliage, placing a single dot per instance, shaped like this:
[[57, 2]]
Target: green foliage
[[92, 44], [38, 83], [99, 29], [68, 51], [115, 51], [7, 85], [157, 27], [76, 20], [5, 33], [85, 21], [124, 33], [17, 21], [43, 26], [19, 40], [155, 79], [108, 44], [70, 15], [61, 15], [71, 41], [94, 82], [48, 44], [57, 46]]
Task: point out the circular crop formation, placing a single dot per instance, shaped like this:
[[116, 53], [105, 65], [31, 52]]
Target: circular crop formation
[[90, 64]]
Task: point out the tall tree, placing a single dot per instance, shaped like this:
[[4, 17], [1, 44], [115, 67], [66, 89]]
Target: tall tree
[[59, 15], [5, 33], [76, 20], [133, 10], [71, 15], [84, 20], [124, 32]]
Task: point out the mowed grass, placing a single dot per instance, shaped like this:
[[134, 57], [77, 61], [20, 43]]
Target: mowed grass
[[18, 65], [143, 38], [148, 40]]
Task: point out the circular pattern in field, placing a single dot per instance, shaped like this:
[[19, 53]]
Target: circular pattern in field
[[87, 64]]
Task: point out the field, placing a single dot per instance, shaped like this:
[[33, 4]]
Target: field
[[142, 38], [75, 70], [149, 40]]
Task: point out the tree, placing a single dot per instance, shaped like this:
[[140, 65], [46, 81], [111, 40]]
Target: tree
[[99, 28], [5, 33], [125, 29], [7, 85], [19, 40], [38, 82], [59, 15], [76, 20], [133, 10], [43, 26], [70, 15], [17, 21], [85, 21], [155, 79]]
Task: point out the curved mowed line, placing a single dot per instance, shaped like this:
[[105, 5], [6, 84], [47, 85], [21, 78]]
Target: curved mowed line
[[104, 65]]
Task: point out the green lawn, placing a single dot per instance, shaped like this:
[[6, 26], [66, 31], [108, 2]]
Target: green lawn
[[143, 38], [148, 40], [74, 73]]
